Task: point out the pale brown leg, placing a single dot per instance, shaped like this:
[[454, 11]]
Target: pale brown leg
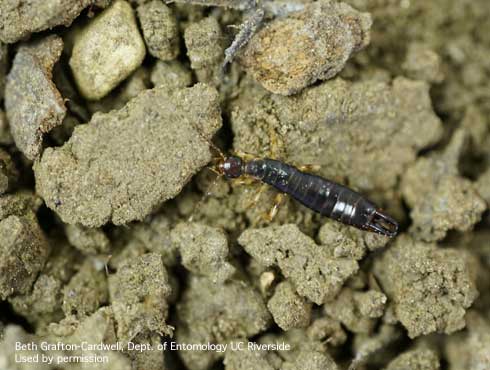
[[213, 170], [278, 200], [276, 145], [244, 155], [268, 217], [309, 168], [257, 196], [244, 181]]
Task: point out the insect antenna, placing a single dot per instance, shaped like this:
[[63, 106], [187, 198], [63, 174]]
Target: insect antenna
[[207, 193], [210, 143], [220, 158]]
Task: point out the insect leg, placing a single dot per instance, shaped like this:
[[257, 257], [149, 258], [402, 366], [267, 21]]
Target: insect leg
[[275, 208], [257, 196], [244, 181], [269, 216], [244, 155], [213, 170], [276, 145], [309, 168]]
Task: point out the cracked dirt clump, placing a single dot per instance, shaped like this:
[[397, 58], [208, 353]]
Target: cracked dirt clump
[[347, 241], [160, 29], [246, 360], [86, 291], [24, 248], [172, 74], [469, 350], [42, 304], [422, 63], [314, 272], [449, 201], [204, 41], [289, 309], [33, 104], [204, 250], [139, 291], [290, 53], [99, 327], [122, 165], [8, 172], [430, 287], [217, 313], [19, 19], [87, 240], [357, 311], [416, 359]]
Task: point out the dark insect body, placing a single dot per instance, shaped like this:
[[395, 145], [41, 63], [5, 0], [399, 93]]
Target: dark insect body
[[317, 193]]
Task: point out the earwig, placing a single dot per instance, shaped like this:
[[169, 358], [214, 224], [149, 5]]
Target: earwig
[[316, 193]]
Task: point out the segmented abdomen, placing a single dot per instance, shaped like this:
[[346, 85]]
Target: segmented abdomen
[[321, 195]]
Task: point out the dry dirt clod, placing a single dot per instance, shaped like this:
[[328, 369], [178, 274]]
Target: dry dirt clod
[[346, 241], [87, 240], [312, 360], [171, 74], [124, 164], [291, 53], [138, 293], [417, 359], [86, 291], [246, 360], [288, 309], [439, 197], [431, 288], [160, 29], [204, 41], [469, 350], [312, 270], [33, 104], [422, 63], [23, 253], [42, 304], [11, 335], [204, 250], [357, 311], [8, 172], [217, 313], [19, 19], [100, 327]]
